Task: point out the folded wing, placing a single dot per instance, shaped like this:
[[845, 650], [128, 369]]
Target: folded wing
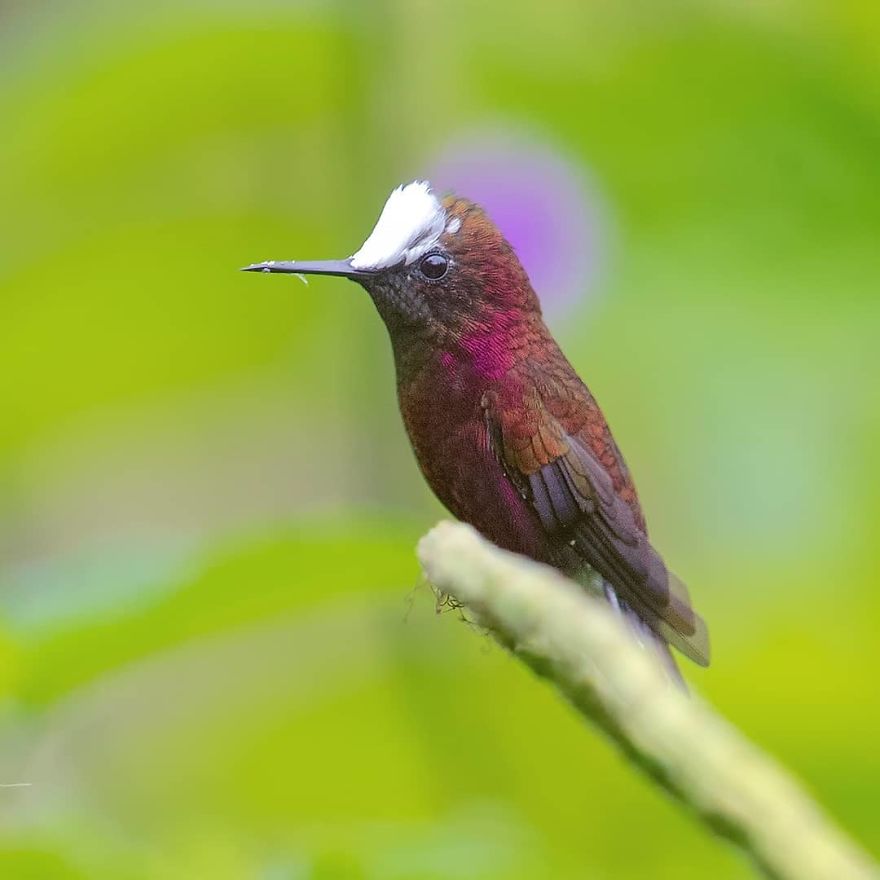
[[575, 500]]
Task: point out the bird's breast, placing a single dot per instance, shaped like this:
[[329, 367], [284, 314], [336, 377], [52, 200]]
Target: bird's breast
[[444, 419]]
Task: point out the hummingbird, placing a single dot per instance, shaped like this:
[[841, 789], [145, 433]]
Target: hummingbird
[[505, 432]]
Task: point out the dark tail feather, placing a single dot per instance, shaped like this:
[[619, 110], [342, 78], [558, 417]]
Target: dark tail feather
[[645, 635]]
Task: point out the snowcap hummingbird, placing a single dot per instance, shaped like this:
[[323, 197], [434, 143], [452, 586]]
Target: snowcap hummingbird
[[505, 432]]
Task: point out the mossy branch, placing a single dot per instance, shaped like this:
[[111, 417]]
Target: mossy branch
[[585, 651]]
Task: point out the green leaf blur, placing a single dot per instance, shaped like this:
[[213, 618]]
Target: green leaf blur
[[216, 656]]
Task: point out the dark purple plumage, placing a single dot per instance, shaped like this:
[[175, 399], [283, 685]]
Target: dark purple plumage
[[505, 432]]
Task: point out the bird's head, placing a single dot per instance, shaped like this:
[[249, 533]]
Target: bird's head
[[433, 268]]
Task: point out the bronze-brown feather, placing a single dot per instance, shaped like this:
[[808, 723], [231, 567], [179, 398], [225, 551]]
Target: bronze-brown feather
[[553, 443]]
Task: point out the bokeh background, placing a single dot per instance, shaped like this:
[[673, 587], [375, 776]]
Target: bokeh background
[[216, 658]]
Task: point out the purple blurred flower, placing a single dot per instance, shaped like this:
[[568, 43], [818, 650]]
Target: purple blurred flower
[[542, 202]]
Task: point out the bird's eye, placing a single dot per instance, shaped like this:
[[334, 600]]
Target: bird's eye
[[434, 266]]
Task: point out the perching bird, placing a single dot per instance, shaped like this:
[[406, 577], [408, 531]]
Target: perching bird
[[505, 432]]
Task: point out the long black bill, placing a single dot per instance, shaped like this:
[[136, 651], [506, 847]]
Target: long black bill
[[305, 267]]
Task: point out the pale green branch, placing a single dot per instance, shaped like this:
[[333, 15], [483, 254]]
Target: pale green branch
[[584, 650]]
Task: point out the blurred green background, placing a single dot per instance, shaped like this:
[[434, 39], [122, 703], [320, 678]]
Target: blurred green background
[[215, 656]]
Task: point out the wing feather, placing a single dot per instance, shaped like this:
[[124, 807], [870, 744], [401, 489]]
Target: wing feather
[[576, 502]]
